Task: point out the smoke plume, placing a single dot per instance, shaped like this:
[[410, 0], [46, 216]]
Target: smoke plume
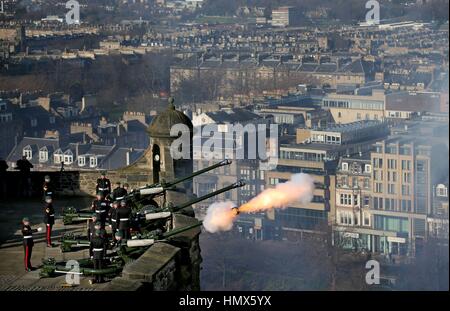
[[220, 216]]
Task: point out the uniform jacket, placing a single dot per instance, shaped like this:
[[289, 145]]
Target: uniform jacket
[[103, 185], [98, 247], [49, 214], [123, 216], [27, 233]]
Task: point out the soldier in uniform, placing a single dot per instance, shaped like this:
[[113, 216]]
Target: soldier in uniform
[[103, 185], [28, 242], [47, 187], [91, 226], [49, 219], [126, 187], [118, 193], [96, 226], [101, 207], [112, 218], [123, 216], [98, 246]]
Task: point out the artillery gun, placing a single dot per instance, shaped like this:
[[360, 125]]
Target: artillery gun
[[128, 251], [155, 217], [141, 199], [148, 222]]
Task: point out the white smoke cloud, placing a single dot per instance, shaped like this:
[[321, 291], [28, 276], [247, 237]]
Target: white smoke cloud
[[219, 217], [300, 188]]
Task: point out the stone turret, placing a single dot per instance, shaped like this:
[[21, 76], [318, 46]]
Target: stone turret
[[161, 139]]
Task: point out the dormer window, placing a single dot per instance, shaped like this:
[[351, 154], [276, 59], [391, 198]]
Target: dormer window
[[367, 168], [345, 166], [43, 155], [68, 157], [93, 161], [58, 156], [81, 161], [27, 152]]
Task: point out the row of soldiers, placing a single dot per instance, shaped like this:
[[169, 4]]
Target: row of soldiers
[[109, 207], [112, 208], [49, 221]]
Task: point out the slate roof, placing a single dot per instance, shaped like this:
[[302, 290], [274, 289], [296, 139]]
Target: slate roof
[[232, 116]]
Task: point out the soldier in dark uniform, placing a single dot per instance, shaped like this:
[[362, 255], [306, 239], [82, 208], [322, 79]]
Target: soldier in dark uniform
[[47, 187], [103, 185], [118, 193], [96, 226], [101, 207], [123, 216], [126, 187], [28, 242], [91, 226], [112, 218], [49, 219], [98, 246]]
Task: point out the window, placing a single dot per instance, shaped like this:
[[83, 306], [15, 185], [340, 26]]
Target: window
[[392, 164], [405, 150], [68, 157], [388, 223], [58, 156], [358, 116], [420, 166], [366, 219], [27, 152], [406, 205], [93, 161], [441, 191], [391, 188], [366, 200], [345, 218], [392, 176], [407, 178], [405, 190], [345, 166], [391, 149], [81, 161], [346, 199], [406, 165], [378, 188], [377, 203], [34, 122], [378, 175], [354, 182], [377, 163], [43, 155], [366, 183], [367, 168]]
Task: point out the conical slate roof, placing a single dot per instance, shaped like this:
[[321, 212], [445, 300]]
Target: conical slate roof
[[163, 122]]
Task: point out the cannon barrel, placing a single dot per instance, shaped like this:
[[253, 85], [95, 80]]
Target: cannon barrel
[[171, 233], [238, 184], [199, 172], [158, 188], [71, 214]]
